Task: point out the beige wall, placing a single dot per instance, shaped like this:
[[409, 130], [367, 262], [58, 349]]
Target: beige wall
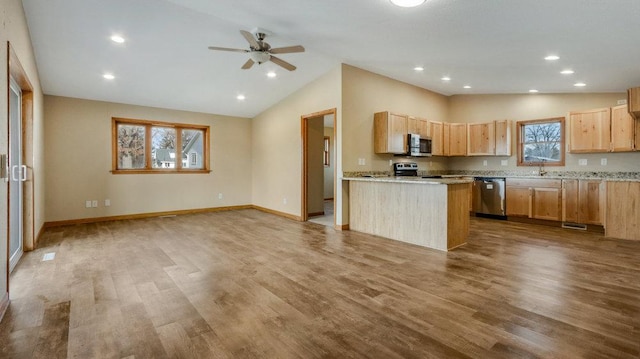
[[78, 158], [329, 170], [480, 108], [14, 29], [277, 144], [365, 93], [315, 148]]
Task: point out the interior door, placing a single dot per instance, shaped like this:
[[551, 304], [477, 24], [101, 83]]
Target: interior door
[[17, 174]]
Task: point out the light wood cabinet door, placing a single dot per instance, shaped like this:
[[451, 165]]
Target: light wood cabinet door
[[419, 126], [503, 138], [637, 141], [570, 194], [591, 201], [590, 131], [457, 139], [436, 129], [546, 203], [633, 101], [390, 133], [517, 201], [481, 139], [623, 210], [423, 128], [622, 129]]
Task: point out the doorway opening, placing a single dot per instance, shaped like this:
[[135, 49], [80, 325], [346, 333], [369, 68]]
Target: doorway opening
[[20, 162], [318, 167]]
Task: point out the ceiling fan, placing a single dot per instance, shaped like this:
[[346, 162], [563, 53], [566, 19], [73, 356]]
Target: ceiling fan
[[261, 52]]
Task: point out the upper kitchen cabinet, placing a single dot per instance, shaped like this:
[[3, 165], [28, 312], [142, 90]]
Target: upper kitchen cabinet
[[503, 138], [390, 133], [481, 139], [590, 131], [633, 100], [419, 126], [457, 139], [436, 130], [622, 129]]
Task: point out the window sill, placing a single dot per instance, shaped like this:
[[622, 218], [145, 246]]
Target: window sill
[[158, 171]]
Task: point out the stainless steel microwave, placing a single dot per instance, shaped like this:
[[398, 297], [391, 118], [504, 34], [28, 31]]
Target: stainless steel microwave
[[418, 146]]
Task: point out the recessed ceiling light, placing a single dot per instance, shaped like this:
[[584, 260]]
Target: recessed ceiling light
[[552, 58], [117, 38], [579, 84], [271, 74], [533, 91], [446, 78], [240, 97], [407, 3], [567, 72], [109, 76], [467, 86], [419, 68]]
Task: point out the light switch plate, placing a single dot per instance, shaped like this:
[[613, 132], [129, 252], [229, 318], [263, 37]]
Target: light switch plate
[[504, 162], [603, 162], [582, 162], [484, 163]]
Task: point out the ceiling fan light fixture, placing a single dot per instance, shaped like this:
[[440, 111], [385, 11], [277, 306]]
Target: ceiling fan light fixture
[[271, 74], [407, 3], [260, 56]]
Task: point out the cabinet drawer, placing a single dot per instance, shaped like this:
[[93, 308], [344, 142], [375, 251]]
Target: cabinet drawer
[[534, 182]]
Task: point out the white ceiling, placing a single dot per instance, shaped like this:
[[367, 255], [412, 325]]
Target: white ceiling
[[496, 46]]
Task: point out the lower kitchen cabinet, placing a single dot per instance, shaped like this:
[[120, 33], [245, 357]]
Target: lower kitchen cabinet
[[583, 201], [534, 198], [623, 210]]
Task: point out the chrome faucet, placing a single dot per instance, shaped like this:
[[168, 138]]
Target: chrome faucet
[[541, 170]]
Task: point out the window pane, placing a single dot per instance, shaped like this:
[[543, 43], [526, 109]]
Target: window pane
[[542, 132], [542, 142], [130, 147], [192, 149], [542, 152], [163, 147]]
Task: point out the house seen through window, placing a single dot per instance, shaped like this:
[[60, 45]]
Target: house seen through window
[[141, 146]]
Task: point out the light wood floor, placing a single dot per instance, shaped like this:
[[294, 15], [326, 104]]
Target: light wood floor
[[247, 284]]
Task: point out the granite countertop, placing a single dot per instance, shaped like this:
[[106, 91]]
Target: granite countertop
[[409, 179], [605, 176]]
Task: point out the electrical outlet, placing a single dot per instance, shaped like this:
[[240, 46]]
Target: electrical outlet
[[219, 195], [504, 162], [603, 162], [284, 201], [582, 162], [484, 163], [107, 202], [622, 102], [390, 162], [87, 204], [361, 162], [94, 203]]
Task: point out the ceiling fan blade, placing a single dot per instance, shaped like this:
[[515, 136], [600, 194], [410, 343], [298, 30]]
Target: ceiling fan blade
[[247, 65], [282, 63], [226, 49], [250, 38], [287, 50]]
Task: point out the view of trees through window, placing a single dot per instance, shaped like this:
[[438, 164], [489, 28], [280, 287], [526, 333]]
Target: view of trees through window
[[541, 141], [131, 141], [172, 146]]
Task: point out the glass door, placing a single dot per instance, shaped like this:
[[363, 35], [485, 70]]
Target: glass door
[[17, 174]]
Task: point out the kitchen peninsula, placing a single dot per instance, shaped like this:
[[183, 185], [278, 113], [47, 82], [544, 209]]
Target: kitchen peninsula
[[427, 212]]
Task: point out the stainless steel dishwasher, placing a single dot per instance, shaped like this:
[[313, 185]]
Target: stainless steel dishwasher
[[489, 197]]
